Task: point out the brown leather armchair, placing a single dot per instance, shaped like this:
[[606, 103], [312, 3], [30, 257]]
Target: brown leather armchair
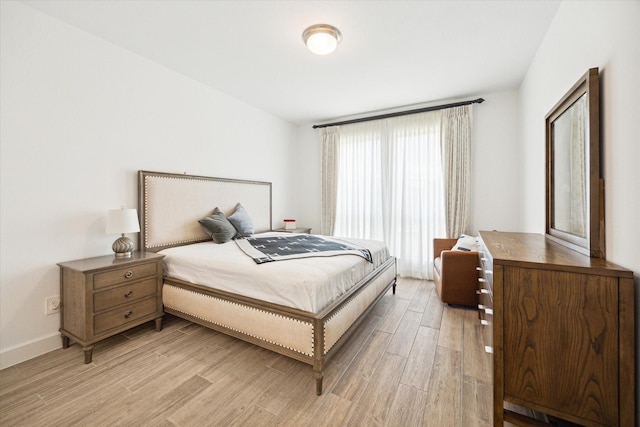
[[455, 273]]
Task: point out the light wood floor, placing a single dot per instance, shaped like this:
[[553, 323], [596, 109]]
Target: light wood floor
[[413, 362]]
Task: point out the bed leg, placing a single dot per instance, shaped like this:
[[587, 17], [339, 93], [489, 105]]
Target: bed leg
[[394, 286], [318, 376]]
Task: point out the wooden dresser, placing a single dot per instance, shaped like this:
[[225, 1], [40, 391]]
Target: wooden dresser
[[105, 295], [560, 327]]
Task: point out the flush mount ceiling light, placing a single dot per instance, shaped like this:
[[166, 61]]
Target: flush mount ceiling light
[[321, 39]]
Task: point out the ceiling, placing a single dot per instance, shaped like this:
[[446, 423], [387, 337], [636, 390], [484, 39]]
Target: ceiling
[[393, 53]]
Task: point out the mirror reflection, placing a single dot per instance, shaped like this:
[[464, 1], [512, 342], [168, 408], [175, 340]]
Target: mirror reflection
[[570, 169]]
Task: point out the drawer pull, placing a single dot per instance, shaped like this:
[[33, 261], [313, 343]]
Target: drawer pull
[[484, 322], [481, 280], [488, 349], [479, 268], [485, 308], [483, 259], [128, 314], [128, 274], [482, 291], [128, 294]]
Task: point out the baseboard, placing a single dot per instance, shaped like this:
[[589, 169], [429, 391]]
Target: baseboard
[[24, 352]]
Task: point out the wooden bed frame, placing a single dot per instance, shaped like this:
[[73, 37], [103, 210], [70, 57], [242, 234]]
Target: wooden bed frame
[[170, 206]]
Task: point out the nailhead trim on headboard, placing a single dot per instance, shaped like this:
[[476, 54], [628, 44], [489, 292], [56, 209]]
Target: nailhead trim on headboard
[[170, 210]]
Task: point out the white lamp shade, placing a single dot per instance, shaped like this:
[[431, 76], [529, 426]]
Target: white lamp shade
[[321, 39], [120, 221], [322, 43]]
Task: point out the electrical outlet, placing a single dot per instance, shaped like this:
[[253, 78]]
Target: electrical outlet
[[52, 305]]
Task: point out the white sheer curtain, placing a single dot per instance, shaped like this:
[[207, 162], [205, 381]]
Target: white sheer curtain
[[360, 197], [389, 186]]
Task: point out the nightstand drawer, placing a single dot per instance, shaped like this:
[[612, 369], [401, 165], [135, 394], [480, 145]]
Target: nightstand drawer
[[123, 315], [303, 230], [122, 275], [124, 294]]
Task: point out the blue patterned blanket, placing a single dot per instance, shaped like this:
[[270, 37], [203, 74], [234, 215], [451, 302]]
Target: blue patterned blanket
[[278, 248]]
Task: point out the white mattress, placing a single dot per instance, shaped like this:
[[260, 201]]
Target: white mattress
[[308, 284]]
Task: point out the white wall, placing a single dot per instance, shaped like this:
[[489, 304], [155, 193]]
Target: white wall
[[494, 182], [495, 191], [585, 35], [309, 187], [78, 118]]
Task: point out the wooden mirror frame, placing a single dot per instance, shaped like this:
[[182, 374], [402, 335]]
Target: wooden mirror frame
[[593, 243]]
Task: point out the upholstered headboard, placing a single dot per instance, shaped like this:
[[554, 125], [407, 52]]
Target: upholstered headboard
[[170, 206]]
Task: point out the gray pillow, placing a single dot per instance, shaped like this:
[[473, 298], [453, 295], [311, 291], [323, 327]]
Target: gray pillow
[[242, 221], [218, 227]]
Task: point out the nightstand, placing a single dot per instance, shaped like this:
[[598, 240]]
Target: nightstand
[[103, 296], [294, 230]]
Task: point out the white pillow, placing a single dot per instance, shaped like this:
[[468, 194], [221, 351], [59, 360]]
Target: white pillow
[[465, 243]]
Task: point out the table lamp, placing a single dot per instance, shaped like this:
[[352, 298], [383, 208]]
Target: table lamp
[[122, 221]]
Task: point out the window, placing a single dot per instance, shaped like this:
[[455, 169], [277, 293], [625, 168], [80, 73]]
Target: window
[[390, 180]]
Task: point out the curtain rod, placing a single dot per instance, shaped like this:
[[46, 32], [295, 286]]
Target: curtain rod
[[400, 113]]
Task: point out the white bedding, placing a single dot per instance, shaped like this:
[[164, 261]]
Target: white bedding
[[308, 284]]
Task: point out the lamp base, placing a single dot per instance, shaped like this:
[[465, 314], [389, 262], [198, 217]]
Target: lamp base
[[123, 254], [123, 247]]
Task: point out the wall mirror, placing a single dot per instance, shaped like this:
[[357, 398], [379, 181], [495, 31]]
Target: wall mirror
[[575, 191]]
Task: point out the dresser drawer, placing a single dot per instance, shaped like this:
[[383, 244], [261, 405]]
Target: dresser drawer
[[485, 299], [486, 279], [123, 275], [126, 314], [485, 291], [486, 320], [486, 260], [124, 294]]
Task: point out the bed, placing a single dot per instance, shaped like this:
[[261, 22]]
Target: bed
[[277, 313]]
